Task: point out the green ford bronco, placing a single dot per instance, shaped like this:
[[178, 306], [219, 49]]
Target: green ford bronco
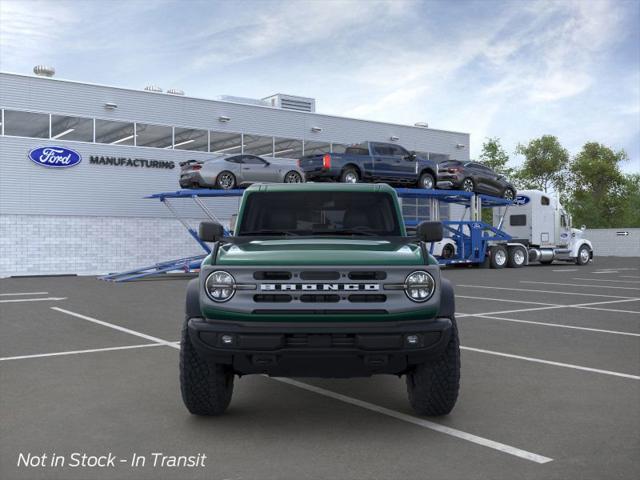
[[320, 280]]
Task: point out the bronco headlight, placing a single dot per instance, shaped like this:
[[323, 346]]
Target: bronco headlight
[[419, 286], [220, 286]]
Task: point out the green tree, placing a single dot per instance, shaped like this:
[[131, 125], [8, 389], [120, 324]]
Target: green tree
[[545, 164], [630, 216], [495, 157], [599, 194]]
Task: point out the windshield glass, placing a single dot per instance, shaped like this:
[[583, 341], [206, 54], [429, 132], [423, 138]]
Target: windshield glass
[[319, 213]]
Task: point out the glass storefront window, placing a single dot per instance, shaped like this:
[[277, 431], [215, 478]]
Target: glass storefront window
[[316, 148], [71, 128], [114, 133], [191, 139], [26, 124], [287, 148], [258, 145], [157, 136], [225, 143]]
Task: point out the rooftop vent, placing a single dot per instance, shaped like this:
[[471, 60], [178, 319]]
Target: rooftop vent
[[175, 91], [291, 102], [421, 124], [44, 71], [245, 100], [153, 88]]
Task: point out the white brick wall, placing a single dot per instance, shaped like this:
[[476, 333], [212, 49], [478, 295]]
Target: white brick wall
[[42, 245], [607, 242]]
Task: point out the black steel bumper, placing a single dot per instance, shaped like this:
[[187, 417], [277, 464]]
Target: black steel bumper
[[320, 349]]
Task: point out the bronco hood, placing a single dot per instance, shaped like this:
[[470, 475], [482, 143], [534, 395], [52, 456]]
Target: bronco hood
[[321, 251]]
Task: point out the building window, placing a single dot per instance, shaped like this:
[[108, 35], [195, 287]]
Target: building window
[[225, 143], [258, 145], [191, 139], [157, 136], [114, 133], [71, 128], [316, 148], [287, 148], [26, 124]]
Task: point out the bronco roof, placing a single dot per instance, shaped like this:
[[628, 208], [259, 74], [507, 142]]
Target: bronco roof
[[320, 187]]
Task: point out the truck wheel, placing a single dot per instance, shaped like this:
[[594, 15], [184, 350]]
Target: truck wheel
[[226, 180], [426, 181], [349, 175], [206, 388], [584, 255], [498, 256], [517, 257], [433, 386]]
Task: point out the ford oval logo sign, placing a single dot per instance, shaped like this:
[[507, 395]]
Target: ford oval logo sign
[[55, 157], [521, 200]]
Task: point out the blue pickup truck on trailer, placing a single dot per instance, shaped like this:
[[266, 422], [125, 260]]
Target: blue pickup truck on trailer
[[373, 162]]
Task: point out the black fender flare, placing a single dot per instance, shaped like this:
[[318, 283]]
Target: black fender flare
[[428, 170], [447, 299], [355, 166], [192, 306]]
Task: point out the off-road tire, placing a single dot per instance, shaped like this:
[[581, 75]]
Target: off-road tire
[[347, 172], [433, 386], [495, 259], [426, 177], [206, 388]]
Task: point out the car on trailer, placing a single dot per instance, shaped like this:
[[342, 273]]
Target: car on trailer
[[474, 177], [372, 162], [226, 172], [320, 280]]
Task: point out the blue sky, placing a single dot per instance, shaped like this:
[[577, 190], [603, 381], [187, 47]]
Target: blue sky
[[514, 69]]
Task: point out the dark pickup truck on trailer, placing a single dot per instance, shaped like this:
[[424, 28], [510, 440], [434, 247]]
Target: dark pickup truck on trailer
[[372, 162], [320, 280]]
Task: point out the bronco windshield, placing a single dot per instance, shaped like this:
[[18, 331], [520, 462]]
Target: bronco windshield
[[319, 213]]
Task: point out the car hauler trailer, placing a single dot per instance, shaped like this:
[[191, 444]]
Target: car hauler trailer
[[539, 234]]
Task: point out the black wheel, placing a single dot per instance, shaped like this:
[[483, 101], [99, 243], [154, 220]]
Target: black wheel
[[206, 388], [433, 386], [226, 180], [293, 177], [349, 175], [448, 251], [499, 256], [584, 255], [509, 194], [468, 185], [517, 257], [427, 181]]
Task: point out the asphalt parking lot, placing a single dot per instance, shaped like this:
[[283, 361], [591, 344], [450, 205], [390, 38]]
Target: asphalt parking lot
[[550, 387]]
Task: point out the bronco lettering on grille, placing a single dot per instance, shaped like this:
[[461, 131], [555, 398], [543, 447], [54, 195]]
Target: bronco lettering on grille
[[324, 287]]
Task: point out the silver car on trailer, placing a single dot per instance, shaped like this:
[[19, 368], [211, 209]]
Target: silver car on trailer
[[231, 171]]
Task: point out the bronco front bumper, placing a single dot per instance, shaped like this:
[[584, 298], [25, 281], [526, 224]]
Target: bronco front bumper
[[320, 349]]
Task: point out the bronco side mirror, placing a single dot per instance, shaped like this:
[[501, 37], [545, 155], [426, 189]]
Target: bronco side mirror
[[210, 231], [429, 231]]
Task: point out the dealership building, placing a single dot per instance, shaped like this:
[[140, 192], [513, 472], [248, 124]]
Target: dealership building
[[91, 217]]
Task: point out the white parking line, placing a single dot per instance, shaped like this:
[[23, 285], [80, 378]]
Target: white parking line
[[556, 364], [632, 312], [485, 442], [528, 290], [558, 325], [629, 276], [23, 293], [551, 306], [505, 300], [76, 352], [607, 280], [116, 327], [47, 299], [566, 270], [581, 285]]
